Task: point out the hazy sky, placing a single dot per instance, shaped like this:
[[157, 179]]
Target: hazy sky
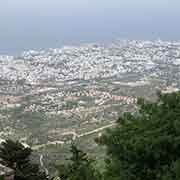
[[26, 24]]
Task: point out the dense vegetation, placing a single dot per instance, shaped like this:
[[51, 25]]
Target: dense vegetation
[[145, 146], [17, 157], [142, 146], [80, 167]]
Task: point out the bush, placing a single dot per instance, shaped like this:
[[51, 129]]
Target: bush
[[145, 146]]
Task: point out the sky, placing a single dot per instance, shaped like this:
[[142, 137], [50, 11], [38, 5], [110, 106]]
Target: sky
[[41, 24]]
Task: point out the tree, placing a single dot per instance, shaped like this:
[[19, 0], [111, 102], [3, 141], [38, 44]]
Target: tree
[[14, 153], [16, 156], [145, 146], [79, 167]]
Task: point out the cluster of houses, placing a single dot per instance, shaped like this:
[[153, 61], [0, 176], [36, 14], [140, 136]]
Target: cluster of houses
[[49, 102], [89, 61]]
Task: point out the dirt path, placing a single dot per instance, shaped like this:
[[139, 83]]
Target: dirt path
[[36, 147], [42, 164]]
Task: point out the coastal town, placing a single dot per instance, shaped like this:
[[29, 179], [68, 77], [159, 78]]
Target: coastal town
[[55, 96], [91, 61]]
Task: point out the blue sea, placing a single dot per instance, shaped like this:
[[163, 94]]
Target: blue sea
[[42, 24]]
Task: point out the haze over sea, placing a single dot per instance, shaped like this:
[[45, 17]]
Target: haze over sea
[[41, 24]]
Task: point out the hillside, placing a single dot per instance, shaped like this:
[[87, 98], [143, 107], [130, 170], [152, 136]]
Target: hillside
[[49, 98]]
